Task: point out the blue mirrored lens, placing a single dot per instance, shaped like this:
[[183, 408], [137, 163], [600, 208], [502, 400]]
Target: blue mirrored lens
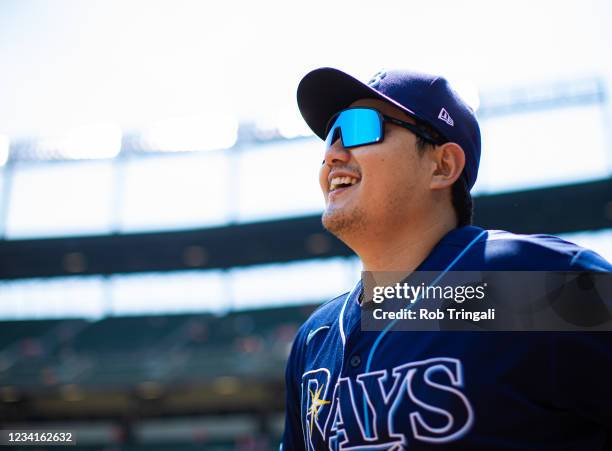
[[357, 127]]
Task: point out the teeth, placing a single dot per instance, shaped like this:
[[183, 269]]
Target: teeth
[[336, 181]]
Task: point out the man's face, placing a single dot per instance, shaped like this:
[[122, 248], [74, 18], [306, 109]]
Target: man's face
[[392, 181]]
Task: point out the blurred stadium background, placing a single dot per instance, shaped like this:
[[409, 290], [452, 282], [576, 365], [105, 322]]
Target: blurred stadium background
[[159, 205]]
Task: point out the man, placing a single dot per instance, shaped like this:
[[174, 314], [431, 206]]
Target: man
[[402, 153]]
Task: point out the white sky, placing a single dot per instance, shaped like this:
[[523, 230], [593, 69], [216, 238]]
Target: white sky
[[66, 63]]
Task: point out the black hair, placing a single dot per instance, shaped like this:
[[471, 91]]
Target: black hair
[[460, 194]]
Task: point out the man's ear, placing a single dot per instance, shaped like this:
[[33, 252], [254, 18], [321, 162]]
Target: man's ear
[[449, 161]]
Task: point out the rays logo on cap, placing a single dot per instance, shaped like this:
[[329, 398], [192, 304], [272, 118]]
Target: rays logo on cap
[[377, 78]]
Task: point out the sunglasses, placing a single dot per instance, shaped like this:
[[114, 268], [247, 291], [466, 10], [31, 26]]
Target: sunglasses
[[361, 126]]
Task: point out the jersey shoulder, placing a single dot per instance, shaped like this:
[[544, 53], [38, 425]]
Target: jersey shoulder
[[326, 313], [501, 250]]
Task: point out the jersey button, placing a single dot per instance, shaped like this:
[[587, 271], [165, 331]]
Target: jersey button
[[355, 361]]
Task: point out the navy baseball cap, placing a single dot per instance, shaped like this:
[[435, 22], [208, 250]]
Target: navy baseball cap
[[427, 98]]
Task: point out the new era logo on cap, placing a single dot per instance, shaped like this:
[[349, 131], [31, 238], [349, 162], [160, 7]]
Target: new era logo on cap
[[444, 116]]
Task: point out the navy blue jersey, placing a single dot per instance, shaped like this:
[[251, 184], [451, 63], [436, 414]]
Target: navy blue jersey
[[350, 389]]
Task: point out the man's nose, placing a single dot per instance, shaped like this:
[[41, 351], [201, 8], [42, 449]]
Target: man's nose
[[337, 153]]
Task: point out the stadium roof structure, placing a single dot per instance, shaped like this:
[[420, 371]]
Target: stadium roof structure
[[543, 210]]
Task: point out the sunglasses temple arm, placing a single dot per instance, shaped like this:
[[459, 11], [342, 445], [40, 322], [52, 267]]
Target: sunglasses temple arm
[[414, 129]]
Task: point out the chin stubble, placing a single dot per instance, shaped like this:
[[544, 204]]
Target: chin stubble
[[342, 223], [346, 222]]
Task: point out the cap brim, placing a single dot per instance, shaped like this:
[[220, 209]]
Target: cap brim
[[325, 91]]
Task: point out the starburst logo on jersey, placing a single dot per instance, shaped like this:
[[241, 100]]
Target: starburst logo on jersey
[[315, 404]]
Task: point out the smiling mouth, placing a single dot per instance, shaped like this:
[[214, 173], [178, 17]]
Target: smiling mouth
[[338, 183]]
